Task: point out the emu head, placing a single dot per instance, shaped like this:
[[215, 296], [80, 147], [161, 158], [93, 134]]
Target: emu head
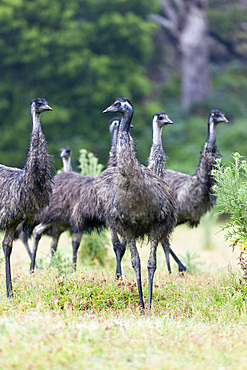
[[121, 105], [65, 152], [161, 119], [114, 124], [39, 105], [216, 116]]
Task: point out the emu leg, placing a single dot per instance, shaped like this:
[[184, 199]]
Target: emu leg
[[166, 247], [168, 250], [37, 232], [54, 244], [24, 238], [181, 266], [7, 249], [136, 264], [151, 270], [75, 246], [119, 248]]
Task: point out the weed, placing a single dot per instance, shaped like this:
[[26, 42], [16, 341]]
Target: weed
[[93, 248], [191, 262], [58, 261]]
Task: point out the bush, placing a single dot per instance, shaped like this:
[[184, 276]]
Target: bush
[[231, 191], [93, 248]]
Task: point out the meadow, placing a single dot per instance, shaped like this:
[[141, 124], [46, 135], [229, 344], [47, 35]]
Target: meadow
[[89, 320]]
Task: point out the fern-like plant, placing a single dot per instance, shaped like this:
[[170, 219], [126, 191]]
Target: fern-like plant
[[231, 191], [89, 164]]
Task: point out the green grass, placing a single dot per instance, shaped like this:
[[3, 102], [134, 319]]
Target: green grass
[[89, 320]]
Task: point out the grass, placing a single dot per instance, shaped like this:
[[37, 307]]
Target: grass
[[89, 320]]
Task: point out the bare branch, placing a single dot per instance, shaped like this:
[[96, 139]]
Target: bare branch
[[169, 10], [164, 22]]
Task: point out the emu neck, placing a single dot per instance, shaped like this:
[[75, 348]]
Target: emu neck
[[38, 165], [211, 131], [114, 136], [114, 139], [208, 154], [126, 121], [126, 156], [67, 164], [35, 117], [157, 157], [157, 131]]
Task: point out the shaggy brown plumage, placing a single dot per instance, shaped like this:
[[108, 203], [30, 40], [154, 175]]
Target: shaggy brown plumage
[[25, 192], [132, 200], [194, 194], [24, 235], [55, 218]]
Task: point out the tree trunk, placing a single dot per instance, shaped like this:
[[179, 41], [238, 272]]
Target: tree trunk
[[187, 21], [193, 43]]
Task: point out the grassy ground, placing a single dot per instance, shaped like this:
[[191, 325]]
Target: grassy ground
[[89, 320]]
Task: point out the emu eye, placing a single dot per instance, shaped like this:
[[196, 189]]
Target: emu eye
[[39, 104], [160, 118], [117, 105]]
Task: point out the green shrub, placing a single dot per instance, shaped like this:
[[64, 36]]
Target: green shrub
[[231, 191], [93, 248], [191, 262], [57, 261], [89, 164]]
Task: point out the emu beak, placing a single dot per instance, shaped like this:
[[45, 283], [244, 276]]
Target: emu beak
[[169, 121], [109, 109], [48, 107], [225, 120]]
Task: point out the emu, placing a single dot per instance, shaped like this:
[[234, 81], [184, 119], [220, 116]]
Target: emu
[[132, 200], [194, 194], [65, 153], [55, 218], [25, 192], [24, 235]]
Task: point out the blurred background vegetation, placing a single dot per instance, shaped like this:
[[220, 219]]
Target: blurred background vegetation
[[82, 54]]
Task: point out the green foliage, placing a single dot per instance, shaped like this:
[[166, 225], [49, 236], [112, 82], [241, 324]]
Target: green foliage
[[231, 191], [207, 222], [202, 297], [93, 249], [190, 259], [58, 261], [89, 164], [80, 56]]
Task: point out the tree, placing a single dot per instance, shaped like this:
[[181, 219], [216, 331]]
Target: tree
[[79, 55], [187, 22]]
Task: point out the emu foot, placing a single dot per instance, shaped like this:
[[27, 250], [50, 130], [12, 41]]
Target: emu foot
[[119, 276]]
